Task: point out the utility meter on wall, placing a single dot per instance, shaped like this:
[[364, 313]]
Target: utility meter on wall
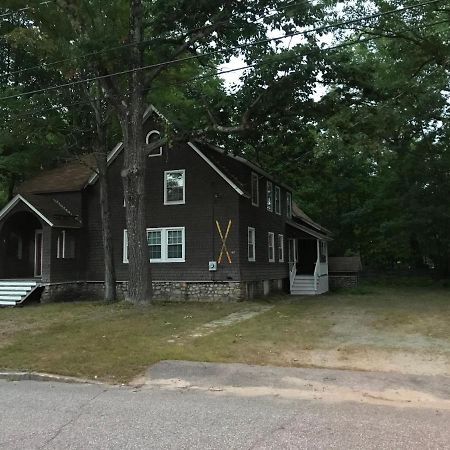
[[212, 266]]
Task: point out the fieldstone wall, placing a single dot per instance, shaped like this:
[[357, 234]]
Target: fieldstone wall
[[199, 291], [162, 290], [343, 281], [221, 291]]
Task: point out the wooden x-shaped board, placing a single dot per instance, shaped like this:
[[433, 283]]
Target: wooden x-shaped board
[[224, 238]]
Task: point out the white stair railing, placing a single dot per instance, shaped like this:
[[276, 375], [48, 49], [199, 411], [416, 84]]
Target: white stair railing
[[292, 273], [316, 275]]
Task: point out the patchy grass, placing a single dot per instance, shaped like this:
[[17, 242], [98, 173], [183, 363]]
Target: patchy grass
[[403, 329], [111, 342]]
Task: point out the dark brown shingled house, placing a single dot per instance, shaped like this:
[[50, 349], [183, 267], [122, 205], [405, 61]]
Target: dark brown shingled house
[[218, 227]]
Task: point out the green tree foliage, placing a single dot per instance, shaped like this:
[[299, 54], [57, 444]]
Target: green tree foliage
[[369, 159], [383, 140]]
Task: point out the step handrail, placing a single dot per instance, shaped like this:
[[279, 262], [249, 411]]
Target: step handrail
[[292, 273], [316, 274]]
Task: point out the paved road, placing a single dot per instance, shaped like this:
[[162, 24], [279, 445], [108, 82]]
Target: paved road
[[210, 406]]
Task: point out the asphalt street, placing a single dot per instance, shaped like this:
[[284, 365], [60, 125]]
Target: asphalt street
[[213, 406]]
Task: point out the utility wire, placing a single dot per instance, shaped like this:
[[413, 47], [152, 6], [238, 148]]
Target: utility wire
[[215, 74], [132, 44], [215, 52]]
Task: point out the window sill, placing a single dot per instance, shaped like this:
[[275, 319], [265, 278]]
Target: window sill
[[158, 261]]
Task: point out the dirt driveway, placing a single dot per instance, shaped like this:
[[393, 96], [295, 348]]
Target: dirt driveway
[[405, 330]]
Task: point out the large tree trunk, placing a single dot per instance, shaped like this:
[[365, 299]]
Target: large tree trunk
[[139, 274], [134, 170]]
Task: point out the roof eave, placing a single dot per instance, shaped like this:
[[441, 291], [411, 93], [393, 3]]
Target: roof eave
[[13, 202]]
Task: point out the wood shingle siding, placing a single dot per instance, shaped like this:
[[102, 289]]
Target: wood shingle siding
[[208, 199], [216, 214]]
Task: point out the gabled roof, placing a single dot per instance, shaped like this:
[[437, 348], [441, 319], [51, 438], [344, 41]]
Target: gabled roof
[[247, 163], [50, 210], [300, 214], [69, 177], [77, 175], [308, 230]]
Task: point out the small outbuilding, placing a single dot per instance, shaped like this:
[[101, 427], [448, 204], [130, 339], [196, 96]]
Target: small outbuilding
[[344, 271]]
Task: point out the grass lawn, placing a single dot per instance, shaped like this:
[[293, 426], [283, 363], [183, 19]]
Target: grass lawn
[[403, 329]]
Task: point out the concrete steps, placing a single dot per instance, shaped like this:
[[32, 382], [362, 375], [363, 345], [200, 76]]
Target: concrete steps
[[303, 285], [14, 292]]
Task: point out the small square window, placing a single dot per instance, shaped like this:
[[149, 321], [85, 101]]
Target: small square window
[[174, 187]]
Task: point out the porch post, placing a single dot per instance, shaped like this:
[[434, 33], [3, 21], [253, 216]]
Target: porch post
[[47, 252], [318, 256]]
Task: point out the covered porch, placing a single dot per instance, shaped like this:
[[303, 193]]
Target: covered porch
[[308, 260], [31, 244]]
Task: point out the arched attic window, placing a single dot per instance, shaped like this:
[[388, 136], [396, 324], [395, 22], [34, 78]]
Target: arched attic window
[[153, 136]]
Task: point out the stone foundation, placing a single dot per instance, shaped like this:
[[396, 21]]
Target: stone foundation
[[196, 291], [342, 281]]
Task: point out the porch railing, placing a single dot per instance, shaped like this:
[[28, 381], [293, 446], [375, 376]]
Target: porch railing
[[316, 275], [292, 273]]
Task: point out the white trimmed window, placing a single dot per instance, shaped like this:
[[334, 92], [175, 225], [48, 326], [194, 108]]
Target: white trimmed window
[[154, 136], [65, 245], [255, 189], [269, 196], [277, 201], [288, 205], [174, 187], [251, 244], [280, 248], [271, 246], [165, 245]]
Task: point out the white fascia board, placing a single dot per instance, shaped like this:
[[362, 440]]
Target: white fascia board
[[119, 147], [216, 169], [309, 231], [113, 154], [16, 200], [252, 166]]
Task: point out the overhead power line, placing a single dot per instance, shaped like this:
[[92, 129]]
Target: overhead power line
[[215, 52], [215, 74]]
